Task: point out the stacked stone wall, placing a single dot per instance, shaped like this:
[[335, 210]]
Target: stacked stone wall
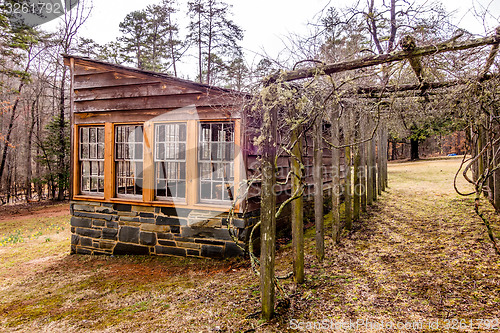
[[112, 228]]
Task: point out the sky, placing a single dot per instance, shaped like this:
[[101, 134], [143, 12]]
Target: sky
[[266, 23]]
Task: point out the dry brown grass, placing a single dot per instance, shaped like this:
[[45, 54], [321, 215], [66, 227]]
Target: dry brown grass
[[419, 254]]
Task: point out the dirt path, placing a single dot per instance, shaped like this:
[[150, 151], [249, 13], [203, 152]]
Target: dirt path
[[17, 212], [420, 256]]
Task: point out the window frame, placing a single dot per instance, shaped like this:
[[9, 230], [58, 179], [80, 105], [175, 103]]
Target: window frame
[[167, 199], [234, 165], [80, 160], [115, 161]]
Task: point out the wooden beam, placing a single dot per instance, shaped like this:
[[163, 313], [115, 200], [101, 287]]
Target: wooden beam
[[148, 166], [383, 59], [109, 161], [192, 179]]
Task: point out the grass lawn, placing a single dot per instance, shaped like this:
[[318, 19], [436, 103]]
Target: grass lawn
[[418, 255]]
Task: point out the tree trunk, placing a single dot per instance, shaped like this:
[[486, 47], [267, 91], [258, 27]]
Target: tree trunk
[[297, 210], [318, 188], [268, 215], [9, 130], [414, 150], [61, 181]]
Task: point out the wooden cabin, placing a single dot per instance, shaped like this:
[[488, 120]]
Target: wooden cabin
[[158, 162]]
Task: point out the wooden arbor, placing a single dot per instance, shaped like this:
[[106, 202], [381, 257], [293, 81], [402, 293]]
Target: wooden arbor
[[361, 159]]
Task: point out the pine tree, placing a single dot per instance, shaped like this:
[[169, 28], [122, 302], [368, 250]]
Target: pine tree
[[214, 35]]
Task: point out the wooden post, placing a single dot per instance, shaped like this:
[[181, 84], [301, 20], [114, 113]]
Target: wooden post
[[357, 163], [385, 145], [362, 175], [347, 186], [496, 179], [297, 210], [480, 145], [380, 168], [268, 214], [373, 164], [369, 173], [335, 175], [318, 188]]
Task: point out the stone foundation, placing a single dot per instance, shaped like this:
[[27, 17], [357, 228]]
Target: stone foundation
[[107, 228]]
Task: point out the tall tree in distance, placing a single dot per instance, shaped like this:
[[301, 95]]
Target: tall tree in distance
[[214, 34], [134, 37], [150, 39]]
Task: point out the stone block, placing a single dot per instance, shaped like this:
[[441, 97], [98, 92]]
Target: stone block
[[83, 208], [92, 233], [154, 228], [122, 248], [166, 242], [215, 233], [212, 251], [161, 235], [84, 241], [80, 250], [191, 252], [145, 209], [106, 245], [175, 229], [75, 239], [172, 211], [209, 241], [105, 210], [122, 207], [129, 234], [173, 251], [129, 218], [188, 245], [164, 220], [149, 215], [98, 223], [147, 220], [147, 238], [111, 224], [184, 239], [108, 233], [106, 217], [82, 222]]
